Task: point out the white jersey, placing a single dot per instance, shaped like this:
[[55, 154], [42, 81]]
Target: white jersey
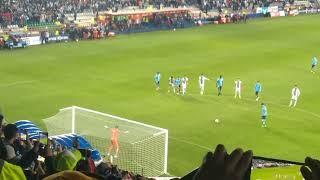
[[238, 84], [202, 80], [184, 82], [295, 92]]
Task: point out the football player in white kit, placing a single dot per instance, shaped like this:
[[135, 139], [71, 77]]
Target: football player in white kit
[[202, 80], [237, 88], [184, 83], [295, 95], [172, 84]]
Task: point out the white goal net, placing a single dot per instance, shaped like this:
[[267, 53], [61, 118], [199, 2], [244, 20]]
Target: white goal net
[[143, 148]]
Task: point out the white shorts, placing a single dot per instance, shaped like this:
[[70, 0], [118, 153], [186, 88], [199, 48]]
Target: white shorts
[[294, 98], [201, 86], [238, 90]]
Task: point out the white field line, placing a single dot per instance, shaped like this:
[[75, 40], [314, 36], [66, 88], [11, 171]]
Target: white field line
[[17, 83], [191, 143]]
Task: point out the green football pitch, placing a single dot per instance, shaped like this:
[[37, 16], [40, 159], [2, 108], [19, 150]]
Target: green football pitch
[[116, 76]]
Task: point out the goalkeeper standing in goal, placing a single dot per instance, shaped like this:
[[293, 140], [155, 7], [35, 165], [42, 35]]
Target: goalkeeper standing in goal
[[114, 141]]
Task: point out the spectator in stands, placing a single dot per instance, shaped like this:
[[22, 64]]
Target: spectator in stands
[[57, 35], [12, 155], [3, 151], [8, 170], [69, 175]]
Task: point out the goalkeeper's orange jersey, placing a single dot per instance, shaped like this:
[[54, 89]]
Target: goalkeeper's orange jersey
[[114, 134]]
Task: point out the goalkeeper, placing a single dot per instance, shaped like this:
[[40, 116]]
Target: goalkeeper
[[114, 141]]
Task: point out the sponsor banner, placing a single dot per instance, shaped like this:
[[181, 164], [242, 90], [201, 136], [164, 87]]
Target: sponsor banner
[[282, 13], [307, 11], [265, 10], [259, 10], [277, 14], [302, 11], [294, 12], [273, 9], [34, 40], [274, 14], [59, 38]]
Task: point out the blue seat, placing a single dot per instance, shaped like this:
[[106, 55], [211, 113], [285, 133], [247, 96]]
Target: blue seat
[[23, 122], [60, 141], [68, 141], [22, 126], [84, 144], [95, 154], [65, 140]]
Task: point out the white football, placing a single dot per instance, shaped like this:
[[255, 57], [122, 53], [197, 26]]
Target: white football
[[216, 121]]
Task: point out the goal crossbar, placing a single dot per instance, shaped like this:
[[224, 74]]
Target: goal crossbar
[[113, 116]]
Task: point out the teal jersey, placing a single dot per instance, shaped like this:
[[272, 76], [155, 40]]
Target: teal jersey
[[314, 61], [264, 111], [220, 82], [177, 81], [258, 87], [157, 77]]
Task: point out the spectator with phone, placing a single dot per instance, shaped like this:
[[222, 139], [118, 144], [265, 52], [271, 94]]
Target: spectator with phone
[[10, 137], [222, 166], [7, 170], [236, 166], [311, 170]]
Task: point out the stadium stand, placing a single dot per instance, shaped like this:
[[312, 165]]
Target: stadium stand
[[35, 22], [23, 13]]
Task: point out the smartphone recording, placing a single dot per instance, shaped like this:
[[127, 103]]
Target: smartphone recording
[[269, 168], [43, 138]]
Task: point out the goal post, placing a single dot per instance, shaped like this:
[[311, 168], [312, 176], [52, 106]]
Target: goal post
[[143, 147]]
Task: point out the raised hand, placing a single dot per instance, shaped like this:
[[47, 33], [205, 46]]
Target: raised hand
[[312, 169], [221, 166]]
